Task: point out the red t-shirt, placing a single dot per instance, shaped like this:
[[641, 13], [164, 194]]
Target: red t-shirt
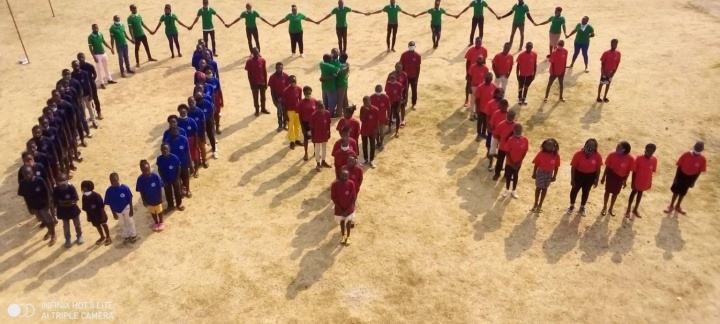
[[547, 162], [558, 61], [352, 123], [477, 74], [394, 91], [277, 83], [411, 63], [401, 78], [341, 157], [502, 64], [585, 164], [257, 74], [343, 193], [353, 146], [320, 126], [473, 53], [356, 175], [369, 116], [692, 164], [291, 98], [643, 170], [503, 131], [620, 164], [306, 108], [382, 102], [527, 62], [483, 94], [516, 148], [497, 117], [610, 61]]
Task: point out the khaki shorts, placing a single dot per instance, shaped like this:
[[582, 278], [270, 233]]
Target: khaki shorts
[[493, 146], [344, 218], [155, 209]]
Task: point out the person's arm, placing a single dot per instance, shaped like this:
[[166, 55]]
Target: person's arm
[[132, 40], [131, 207], [405, 12], [534, 174], [181, 24], [358, 12], [493, 11], [375, 12], [143, 25], [112, 41], [571, 33], [535, 68], [236, 20], [506, 15], [604, 175], [543, 23], [420, 14], [194, 22], [616, 67], [220, 18], [156, 28], [530, 18], [572, 176], [265, 21], [564, 30], [462, 12], [321, 20], [282, 21], [142, 197]]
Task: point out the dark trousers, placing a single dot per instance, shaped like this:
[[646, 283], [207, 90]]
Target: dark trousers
[[365, 141], [95, 98], [185, 178], [173, 194], [296, 40], [252, 32], [584, 182], [413, 86], [281, 118], [141, 39], [173, 39], [395, 113], [511, 175], [341, 33], [122, 52], [391, 28], [478, 22], [210, 130], [258, 94], [436, 30], [66, 227], [481, 124], [210, 33], [500, 162]]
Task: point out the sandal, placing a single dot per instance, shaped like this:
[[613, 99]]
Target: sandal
[[636, 214], [612, 214], [627, 215], [100, 241], [603, 212]]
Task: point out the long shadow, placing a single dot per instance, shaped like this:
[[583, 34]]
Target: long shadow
[[571, 79], [179, 68], [595, 241], [669, 238], [294, 189], [280, 178], [455, 128], [492, 219], [623, 240], [463, 157], [521, 238], [313, 265], [155, 135], [263, 166], [154, 65], [310, 234], [540, 116], [477, 192], [237, 65], [235, 156], [242, 124], [374, 61], [592, 116], [460, 57], [563, 239]]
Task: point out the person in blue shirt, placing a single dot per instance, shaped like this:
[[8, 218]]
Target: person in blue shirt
[[207, 108], [180, 146], [208, 57], [211, 80], [187, 123], [199, 117], [169, 169], [119, 198], [198, 54], [149, 185]]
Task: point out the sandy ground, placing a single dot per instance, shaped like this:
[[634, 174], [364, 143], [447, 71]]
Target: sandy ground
[[434, 242]]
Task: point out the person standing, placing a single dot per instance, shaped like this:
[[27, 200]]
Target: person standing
[[471, 58], [519, 11], [306, 109], [328, 73], [208, 110], [65, 199], [557, 24], [92, 204], [207, 24], [342, 81], [392, 11], [320, 132], [517, 147], [277, 82], [251, 30], [584, 174], [97, 43], [380, 100], [137, 31], [526, 70], [502, 132], [689, 167], [119, 198], [478, 19], [171, 31], [558, 60], [402, 78], [547, 164], [169, 166], [483, 94], [257, 75], [582, 40], [618, 165], [150, 185], [343, 194], [411, 62], [355, 172], [642, 174], [38, 198], [502, 65], [87, 93], [610, 63], [477, 73], [341, 25], [192, 131], [436, 14], [291, 97], [370, 117], [120, 38], [198, 116], [394, 89], [294, 20], [92, 74]]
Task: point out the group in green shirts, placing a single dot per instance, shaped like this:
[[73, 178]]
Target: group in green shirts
[[341, 23], [119, 38], [519, 11], [478, 19], [207, 14], [392, 11], [583, 32], [137, 31], [171, 31], [557, 24], [251, 29], [436, 14]]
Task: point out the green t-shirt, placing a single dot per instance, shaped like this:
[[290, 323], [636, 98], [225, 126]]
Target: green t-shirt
[[97, 43], [206, 15], [328, 69], [170, 27], [436, 16], [520, 12], [135, 25], [295, 22], [478, 7], [250, 18], [341, 14], [392, 12], [342, 80], [556, 24], [119, 33], [583, 37]]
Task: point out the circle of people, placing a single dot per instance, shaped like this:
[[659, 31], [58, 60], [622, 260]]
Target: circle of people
[[74, 107]]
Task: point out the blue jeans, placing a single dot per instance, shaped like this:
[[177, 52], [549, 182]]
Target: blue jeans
[[122, 53], [66, 227], [330, 100], [578, 48]]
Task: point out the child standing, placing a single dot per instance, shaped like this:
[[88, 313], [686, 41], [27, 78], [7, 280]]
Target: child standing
[[352, 123], [394, 91], [617, 168], [37, 196], [547, 163], [343, 149], [517, 147], [584, 174], [320, 132], [380, 100], [169, 167], [306, 109], [643, 169], [343, 195], [690, 165], [92, 204], [369, 115], [65, 199], [119, 197], [150, 187]]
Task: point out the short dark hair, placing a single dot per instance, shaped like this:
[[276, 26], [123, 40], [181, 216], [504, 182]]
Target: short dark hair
[[87, 184]]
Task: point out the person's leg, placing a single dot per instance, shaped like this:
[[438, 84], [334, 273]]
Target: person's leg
[[373, 146], [338, 33], [78, 230], [205, 37], [293, 42], [138, 40], [573, 194], [576, 52], [106, 229], [387, 36], [249, 34], [473, 23], [168, 188], [528, 82], [515, 175], [210, 130], [184, 183], [413, 87], [127, 58], [549, 85], [263, 99], [512, 34], [344, 40], [521, 85], [256, 35], [332, 102], [499, 163], [481, 26], [599, 91], [255, 95], [482, 118], [66, 231], [212, 39], [294, 125], [522, 36], [96, 100], [365, 140], [280, 114], [585, 54], [543, 192], [561, 82], [177, 44], [508, 176], [607, 88], [585, 193], [630, 201], [341, 100], [396, 115], [170, 43], [606, 197], [300, 43], [394, 34], [613, 198], [147, 48], [637, 202], [120, 61]]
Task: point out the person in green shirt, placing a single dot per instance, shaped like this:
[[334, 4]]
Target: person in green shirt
[[341, 24], [136, 25], [171, 30], [295, 28], [557, 23], [207, 24], [478, 19], [519, 11], [582, 41], [436, 14], [97, 44], [251, 30], [119, 38], [392, 11]]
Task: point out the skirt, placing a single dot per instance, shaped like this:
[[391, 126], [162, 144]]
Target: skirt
[[613, 182], [543, 178], [682, 183], [218, 101], [554, 38], [194, 148]]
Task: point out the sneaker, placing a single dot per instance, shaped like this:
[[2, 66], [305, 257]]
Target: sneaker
[[302, 55], [80, 240], [215, 155], [372, 164], [478, 138], [155, 227], [506, 193], [161, 227], [570, 209], [491, 169], [669, 209], [133, 239], [298, 143], [514, 194], [292, 55], [364, 162], [68, 243], [582, 211]]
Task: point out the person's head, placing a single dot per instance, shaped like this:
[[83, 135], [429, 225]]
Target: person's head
[[292, 80], [550, 145], [36, 131], [319, 105], [344, 174], [528, 46], [116, 20], [488, 79], [520, 2], [698, 147], [75, 65], [62, 180], [506, 48], [114, 179], [391, 78], [201, 42], [133, 9], [191, 102], [199, 87], [349, 111], [95, 29], [585, 20], [392, 2], [65, 74], [561, 43], [47, 112], [255, 52], [279, 66], [87, 186], [378, 89], [623, 148], [207, 55], [503, 105], [307, 92], [27, 158], [81, 57], [480, 60], [517, 130], [590, 146], [511, 115], [613, 44], [437, 4], [198, 96], [43, 122], [199, 48], [398, 67], [56, 96], [343, 57], [558, 11], [183, 110], [352, 161], [27, 172], [345, 134], [165, 149], [31, 147], [172, 124], [209, 74], [205, 4], [335, 53], [366, 101], [411, 46], [327, 58], [650, 150], [145, 167], [340, 3], [248, 7], [168, 9], [293, 9], [498, 94]]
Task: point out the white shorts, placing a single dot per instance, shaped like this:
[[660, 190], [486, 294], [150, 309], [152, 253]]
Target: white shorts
[[344, 218], [493, 146]]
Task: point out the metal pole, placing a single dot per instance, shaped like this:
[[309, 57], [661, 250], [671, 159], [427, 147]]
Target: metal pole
[[18, 31], [51, 8]]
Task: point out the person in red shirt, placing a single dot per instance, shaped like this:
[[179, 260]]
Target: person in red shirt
[[411, 62], [355, 171], [402, 78], [610, 62], [343, 194], [369, 116], [584, 174], [547, 164], [483, 94], [618, 165], [502, 132], [471, 58], [257, 75], [526, 69], [477, 74], [320, 133], [690, 165], [380, 100], [517, 148], [558, 61], [291, 97], [350, 122], [499, 115], [642, 173], [306, 108], [394, 91], [502, 65], [343, 148], [277, 82]]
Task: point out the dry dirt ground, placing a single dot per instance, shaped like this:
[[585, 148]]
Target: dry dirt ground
[[434, 241]]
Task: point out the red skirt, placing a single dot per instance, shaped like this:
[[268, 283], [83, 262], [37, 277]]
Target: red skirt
[[218, 101], [194, 149]]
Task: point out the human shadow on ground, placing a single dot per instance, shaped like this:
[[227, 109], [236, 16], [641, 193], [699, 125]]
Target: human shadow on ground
[[563, 239], [235, 156], [540, 116], [669, 238], [310, 234], [382, 56], [295, 188], [263, 166], [492, 219], [313, 265], [462, 158], [623, 240], [280, 178], [592, 116], [455, 128], [521, 238], [179, 68], [155, 135], [479, 195], [595, 240], [240, 125], [571, 79]]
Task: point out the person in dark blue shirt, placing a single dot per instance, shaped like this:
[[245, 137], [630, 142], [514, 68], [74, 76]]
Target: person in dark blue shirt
[[119, 197], [199, 117], [38, 171], [180, 146], [65, 199], [87, 96], [92, 204], [92, 73], [37, 196], [45, 145], [207, 108], [149, 185], [198, 54], [56, 136], [169, 168]]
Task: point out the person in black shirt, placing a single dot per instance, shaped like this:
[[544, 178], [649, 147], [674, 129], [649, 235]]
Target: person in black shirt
[[72, 95], [55, 136], [85, 82], [45, 145], [65, 199], [57, 119], [94, 206], [37, 196], [90, 69], [38, 170]]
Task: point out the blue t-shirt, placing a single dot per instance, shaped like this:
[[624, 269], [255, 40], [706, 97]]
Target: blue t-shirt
[[209, 91], [151, 188], [215, 82], [168, 167], [180, 146], [199, 117], [206, 107], [188, 125], [196, 57], [166, 134], [118, 197]]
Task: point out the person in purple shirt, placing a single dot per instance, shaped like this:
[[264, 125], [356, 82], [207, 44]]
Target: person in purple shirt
[[180, 146], [119, 198], [199, 117], [169, 169], [150, 185]]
